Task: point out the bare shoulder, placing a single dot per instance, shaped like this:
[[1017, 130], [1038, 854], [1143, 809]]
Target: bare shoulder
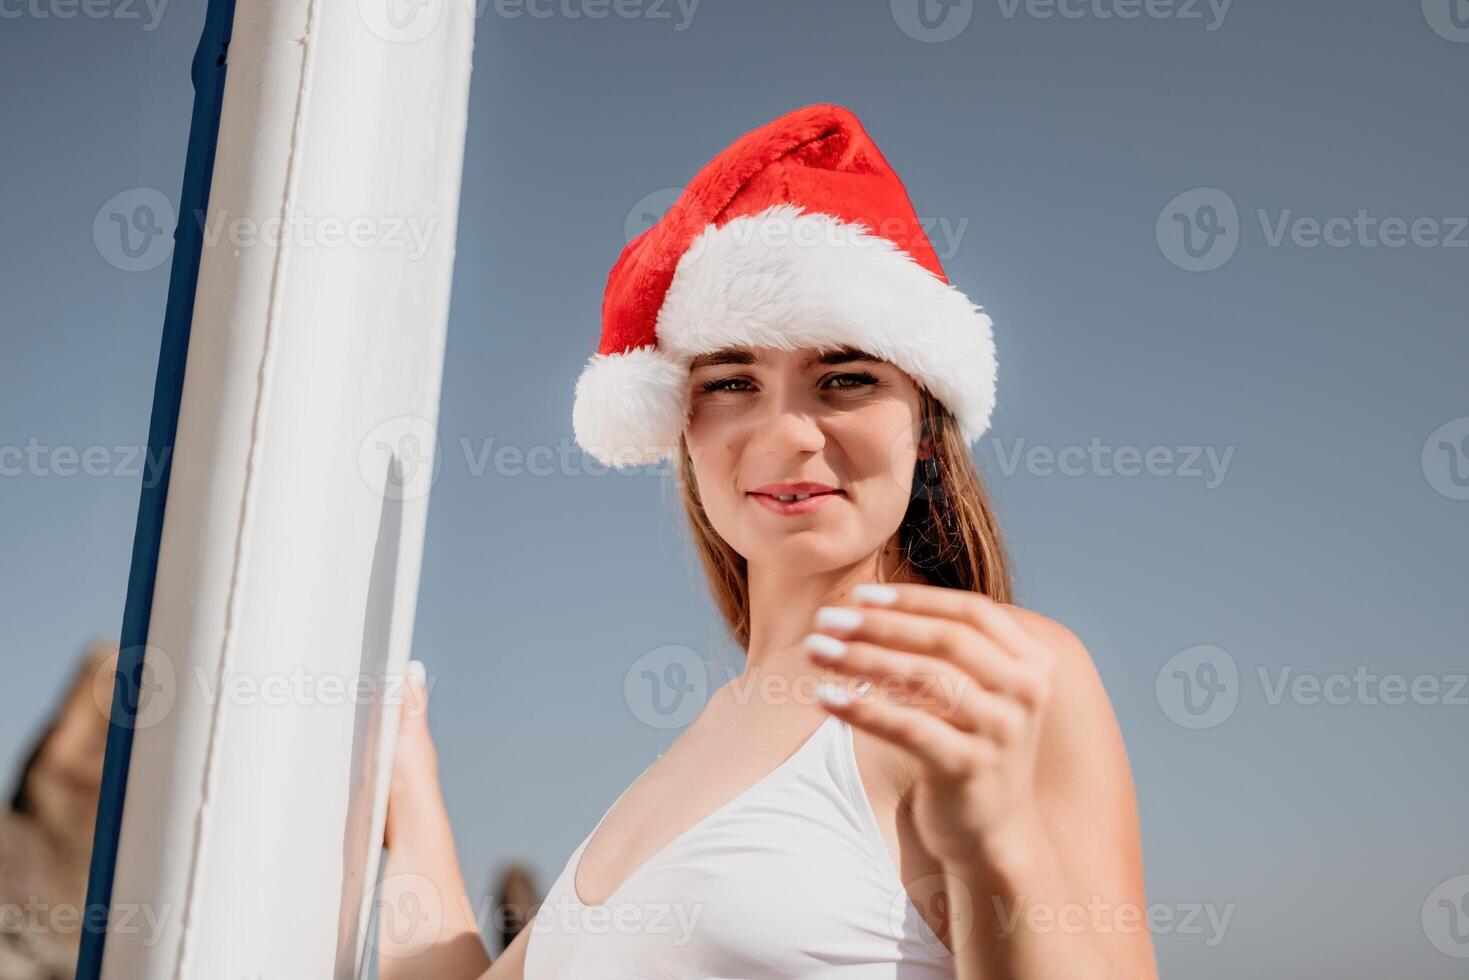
[[1084, 784], [1067, 646], [1073, 673], [1081, 728]]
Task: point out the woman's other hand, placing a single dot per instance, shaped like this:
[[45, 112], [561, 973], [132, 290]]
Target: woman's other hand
[[415, 779], [426, 924]]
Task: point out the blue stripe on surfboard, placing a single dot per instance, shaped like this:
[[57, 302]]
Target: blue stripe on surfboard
[[208, 74]]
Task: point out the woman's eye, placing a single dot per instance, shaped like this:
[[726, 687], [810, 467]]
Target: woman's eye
[[724, 384], [859, 377], [854, 379]]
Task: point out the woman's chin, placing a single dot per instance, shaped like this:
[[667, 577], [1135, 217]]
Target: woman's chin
[[810, 551]]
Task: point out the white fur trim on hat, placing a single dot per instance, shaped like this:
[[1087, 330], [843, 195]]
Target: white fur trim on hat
[[788, 279], [630, 408]]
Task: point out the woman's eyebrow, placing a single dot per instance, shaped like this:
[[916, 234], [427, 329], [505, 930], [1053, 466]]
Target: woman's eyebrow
[[741, 355], [844, 355], [730, 355]]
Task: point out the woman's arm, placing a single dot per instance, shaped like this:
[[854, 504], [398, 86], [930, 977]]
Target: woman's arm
[[1068, 885], [1023, 794], [426, 923]]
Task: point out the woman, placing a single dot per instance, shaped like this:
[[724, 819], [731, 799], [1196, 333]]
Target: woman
[[954, 800]]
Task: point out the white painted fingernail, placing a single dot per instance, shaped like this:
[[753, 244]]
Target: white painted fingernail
[[824, 647], [832, 694], [418, 672], [875, 593], [838, 618]]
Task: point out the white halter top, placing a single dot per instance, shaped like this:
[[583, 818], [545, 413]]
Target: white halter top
[[791, 878]]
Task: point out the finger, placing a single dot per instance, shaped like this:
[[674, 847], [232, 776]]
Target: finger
[[926, 682], [963, 605], [935, 742], [959, 643], [415, 694]]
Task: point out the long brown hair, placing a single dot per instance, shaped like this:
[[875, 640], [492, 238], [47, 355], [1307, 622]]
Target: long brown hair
[[948, 536]]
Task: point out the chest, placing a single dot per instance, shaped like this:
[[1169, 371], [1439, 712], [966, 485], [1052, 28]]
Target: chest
[[704, 786], [789, 881]]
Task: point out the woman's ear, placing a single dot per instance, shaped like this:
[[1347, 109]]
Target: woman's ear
[[927, 444], [930, 418]]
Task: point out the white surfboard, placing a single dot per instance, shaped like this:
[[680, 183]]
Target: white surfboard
[[288, 567]]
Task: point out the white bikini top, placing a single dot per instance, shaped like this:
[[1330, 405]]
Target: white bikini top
[[791, 878]]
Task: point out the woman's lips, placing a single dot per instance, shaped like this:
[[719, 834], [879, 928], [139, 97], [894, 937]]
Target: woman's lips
[[806, 506]]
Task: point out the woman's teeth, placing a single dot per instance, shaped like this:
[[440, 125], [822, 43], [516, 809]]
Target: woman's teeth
[[794, 496]]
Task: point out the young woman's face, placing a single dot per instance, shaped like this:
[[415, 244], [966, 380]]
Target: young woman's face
[[762, 417]]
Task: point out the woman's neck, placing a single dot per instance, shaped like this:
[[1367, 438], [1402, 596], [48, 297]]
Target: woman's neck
[[783, 607]]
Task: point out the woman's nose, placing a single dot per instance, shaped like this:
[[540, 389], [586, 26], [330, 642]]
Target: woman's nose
[[790, 423]]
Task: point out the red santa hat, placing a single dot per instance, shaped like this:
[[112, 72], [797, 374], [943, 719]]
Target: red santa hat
[[798, 235]]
